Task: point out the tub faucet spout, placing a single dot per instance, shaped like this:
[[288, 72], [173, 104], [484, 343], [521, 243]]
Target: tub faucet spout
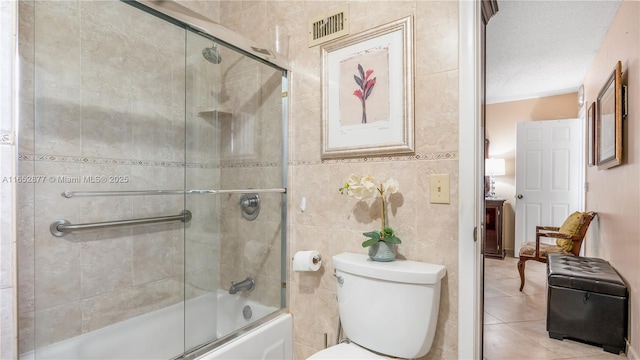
[[246, 284]]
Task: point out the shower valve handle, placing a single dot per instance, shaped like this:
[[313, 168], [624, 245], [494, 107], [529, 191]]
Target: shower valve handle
[[250, 205], [250, 202]]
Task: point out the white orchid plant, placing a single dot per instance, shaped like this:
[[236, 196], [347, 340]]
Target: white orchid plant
[[367, 187]]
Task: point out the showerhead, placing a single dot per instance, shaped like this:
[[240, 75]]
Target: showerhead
[[212, 55]]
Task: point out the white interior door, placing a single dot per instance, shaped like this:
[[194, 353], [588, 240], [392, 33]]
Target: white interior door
[[549, 174]]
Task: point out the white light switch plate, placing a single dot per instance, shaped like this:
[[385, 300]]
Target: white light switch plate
[[439, 188]]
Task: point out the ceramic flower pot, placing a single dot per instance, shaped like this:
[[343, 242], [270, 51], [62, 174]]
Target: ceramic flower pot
[[382, 251]]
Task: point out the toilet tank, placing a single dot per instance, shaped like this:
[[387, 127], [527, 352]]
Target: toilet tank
[[388, 307]]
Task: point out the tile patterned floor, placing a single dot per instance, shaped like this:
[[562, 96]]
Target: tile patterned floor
[[515, 322]]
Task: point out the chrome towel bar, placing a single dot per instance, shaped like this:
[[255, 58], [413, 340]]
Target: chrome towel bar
[[62, 227], [70, 194]]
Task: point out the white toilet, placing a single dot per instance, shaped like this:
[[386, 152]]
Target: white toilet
[[387, 309]]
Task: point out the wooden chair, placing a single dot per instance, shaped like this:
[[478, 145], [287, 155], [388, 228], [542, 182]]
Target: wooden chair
[[538, 251]]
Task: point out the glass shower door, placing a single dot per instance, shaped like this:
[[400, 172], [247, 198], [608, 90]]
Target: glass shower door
[[131, 120], [108, 116], [234, 145]]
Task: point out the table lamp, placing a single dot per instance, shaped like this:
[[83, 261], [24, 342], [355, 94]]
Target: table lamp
[[493, 167]]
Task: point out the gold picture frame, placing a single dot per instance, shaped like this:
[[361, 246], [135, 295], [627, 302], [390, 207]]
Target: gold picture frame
[[609, 121], [367, 92]]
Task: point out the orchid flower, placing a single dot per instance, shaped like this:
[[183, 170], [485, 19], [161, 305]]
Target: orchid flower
[[368, 187]]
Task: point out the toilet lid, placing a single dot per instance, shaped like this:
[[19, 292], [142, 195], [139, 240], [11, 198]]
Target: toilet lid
[[345, 351]]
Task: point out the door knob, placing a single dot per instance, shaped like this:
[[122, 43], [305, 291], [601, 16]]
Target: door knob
[[519, 196]]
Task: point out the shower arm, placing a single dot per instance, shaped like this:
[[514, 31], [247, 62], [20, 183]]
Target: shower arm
[[206, 26]]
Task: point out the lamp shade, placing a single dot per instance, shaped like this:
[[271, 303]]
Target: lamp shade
[[494, 167]]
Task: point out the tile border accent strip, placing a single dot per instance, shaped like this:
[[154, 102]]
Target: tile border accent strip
[[133, 162], [96, 161], [448, 155]]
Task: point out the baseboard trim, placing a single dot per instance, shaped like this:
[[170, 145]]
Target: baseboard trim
[[632, 354]]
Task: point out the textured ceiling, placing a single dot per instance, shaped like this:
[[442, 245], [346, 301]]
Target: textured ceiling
[[543, 48]]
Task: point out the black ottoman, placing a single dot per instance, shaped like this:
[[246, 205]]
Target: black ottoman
[[586, 300]]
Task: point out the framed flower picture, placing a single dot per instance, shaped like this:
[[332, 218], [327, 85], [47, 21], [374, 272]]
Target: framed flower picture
[[367, 92], [609, 121]]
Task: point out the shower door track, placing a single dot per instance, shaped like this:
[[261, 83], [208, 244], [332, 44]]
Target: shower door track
[[71, 194]]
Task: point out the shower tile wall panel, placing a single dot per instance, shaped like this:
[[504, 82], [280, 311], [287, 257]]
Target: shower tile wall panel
[[26, 98], [252, 248], [103, 93], [203, 234], [26, 194], [202, 82]]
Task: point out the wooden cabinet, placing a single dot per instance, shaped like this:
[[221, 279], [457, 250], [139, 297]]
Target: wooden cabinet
[[493, 247]]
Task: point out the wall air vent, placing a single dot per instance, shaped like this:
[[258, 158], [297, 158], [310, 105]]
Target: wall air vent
[[329, 26]]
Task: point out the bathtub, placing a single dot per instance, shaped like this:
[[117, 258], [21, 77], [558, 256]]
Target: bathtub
[[153, 335], [271, 340]]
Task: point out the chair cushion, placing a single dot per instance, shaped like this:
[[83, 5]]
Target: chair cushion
[[528, 249], [571, 227], [565, 244]]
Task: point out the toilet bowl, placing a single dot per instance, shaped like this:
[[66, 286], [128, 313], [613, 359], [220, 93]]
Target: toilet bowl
[[387, 309]]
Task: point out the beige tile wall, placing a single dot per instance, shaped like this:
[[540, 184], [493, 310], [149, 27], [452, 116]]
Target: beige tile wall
[[252, 135], [249, 97], [330, 222]]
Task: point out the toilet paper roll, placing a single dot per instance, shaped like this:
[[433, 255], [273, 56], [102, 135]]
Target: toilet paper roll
[[307, 261]]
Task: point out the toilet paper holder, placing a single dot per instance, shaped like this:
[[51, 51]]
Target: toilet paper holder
[[316, 259], [309, 260]]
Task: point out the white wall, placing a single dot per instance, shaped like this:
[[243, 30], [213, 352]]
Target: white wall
[[615, 193]]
